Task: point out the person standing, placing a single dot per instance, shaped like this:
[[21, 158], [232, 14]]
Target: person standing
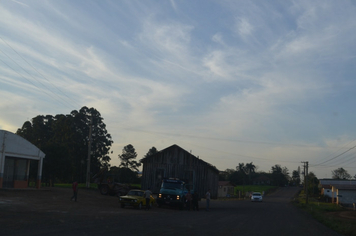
[[75, 191], [207, 197], [148, 194]]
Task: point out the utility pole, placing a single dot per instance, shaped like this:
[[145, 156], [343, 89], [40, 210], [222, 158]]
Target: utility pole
[[89, 153], [306, 181]]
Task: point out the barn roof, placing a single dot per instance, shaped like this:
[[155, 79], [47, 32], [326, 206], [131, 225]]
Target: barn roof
[[175, 146]]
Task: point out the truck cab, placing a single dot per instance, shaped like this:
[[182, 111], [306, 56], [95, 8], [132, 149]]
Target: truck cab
[[173, 192]]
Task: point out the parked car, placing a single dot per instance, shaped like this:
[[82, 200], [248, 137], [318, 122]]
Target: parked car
[[135, 198], [256, 197]]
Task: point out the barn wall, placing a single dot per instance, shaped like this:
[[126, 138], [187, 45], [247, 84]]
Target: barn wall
[[175, 162]]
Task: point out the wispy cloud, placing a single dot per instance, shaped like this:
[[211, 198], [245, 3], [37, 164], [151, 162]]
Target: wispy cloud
[[270, 73]]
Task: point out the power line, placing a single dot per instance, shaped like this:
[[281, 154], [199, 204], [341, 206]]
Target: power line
[[232, 154], [37, 70], [220, 139], [44, 91], [343, 147], [335, 156], [70, 104]]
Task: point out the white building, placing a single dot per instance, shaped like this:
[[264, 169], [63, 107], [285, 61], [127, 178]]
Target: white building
[[15, 156], [340, 191]]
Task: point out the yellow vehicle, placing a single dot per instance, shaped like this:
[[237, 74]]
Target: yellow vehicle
[[135, 198]]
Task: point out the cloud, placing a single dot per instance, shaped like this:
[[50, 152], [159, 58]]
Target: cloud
[[244, 27]]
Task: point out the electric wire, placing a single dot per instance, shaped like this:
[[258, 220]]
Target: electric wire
[[334, 157], [44, 91], [37, 70]]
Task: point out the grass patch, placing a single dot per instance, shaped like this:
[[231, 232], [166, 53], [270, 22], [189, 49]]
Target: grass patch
[[254, 188], [327, 214], [80, 185]]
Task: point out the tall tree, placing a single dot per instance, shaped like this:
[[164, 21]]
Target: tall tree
[[150, 152], [225, 175], [340, 173], [296, 177], [312, 184], [279, 176], [70, 134], [128, 157], [250, 170], [239, 177]]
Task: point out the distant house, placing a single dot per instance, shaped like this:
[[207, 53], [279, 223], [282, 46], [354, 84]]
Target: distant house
[[226, 189], [340, 191], [345, 194], [16, 153], [175, 162]]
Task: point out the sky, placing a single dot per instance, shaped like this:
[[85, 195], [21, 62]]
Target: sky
[[268, 82]]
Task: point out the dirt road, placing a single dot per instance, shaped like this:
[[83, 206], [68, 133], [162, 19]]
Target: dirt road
[[50, 212]]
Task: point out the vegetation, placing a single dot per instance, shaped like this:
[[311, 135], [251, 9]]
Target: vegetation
[[65, 141], [245, 174], [340, 173], [128, 157], [254, 188], [328, 214]]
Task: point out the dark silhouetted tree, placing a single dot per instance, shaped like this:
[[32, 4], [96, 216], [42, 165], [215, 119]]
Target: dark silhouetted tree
[[340, 173], [128, 157]]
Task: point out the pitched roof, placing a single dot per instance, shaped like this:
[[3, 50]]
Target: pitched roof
[[178, 147]]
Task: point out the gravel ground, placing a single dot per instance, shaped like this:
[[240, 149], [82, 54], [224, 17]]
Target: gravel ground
[[49, 211]]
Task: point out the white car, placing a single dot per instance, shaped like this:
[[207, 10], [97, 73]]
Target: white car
[[256, 197]]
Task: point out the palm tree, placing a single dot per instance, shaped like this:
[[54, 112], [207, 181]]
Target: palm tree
[[250, 169]]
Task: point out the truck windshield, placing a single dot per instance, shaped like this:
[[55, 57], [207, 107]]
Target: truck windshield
[[170, 185]]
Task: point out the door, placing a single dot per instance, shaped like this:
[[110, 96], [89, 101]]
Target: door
[[9, 172]]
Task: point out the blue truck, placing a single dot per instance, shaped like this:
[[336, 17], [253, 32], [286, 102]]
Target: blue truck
[[173, 192]]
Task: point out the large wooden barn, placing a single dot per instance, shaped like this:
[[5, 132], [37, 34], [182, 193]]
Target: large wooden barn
[[175, 162]]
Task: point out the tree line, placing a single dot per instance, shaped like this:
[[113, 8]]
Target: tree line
[[246, 174], [65, 141]]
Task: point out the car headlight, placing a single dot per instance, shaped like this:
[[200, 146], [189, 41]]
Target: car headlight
[[120, 199], [177, 197], [135, 200], [160, 195]]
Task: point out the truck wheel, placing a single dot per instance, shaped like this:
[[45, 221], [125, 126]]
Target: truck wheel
[[104, 190]]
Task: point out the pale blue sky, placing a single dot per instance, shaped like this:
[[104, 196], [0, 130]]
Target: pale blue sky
[[268, 82]]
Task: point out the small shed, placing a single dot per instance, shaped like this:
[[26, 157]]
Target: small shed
[[15, 156], [175, 162], [226, 189]]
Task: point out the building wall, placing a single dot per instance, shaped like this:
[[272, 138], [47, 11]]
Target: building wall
[[327, 192], [175, 162], [15, 156], [225, 191], [348, 196]]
